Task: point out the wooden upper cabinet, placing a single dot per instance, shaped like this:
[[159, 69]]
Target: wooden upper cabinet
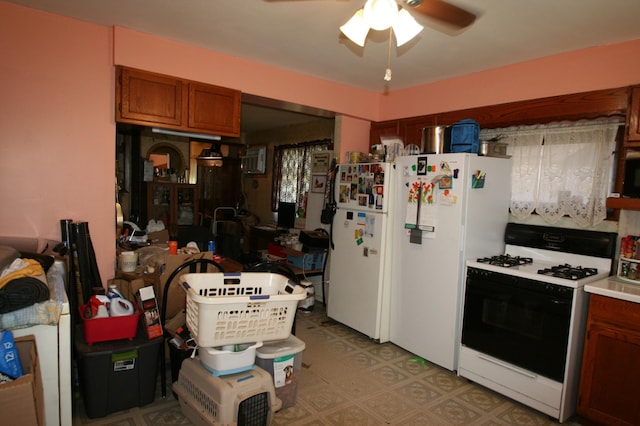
[[147, 98], [151, 99], [213, 108], [411, 129], [383, 128], [633, 120]]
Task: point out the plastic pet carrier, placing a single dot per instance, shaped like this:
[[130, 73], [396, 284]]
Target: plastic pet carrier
[[243, 399]]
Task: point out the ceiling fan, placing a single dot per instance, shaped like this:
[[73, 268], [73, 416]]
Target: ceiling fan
[[392, 15], [441, 11]]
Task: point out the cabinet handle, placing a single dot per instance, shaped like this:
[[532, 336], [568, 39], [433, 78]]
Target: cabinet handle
[[509, 367]]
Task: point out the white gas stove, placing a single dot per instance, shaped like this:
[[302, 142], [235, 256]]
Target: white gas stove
[[525, 311], [566, 269]]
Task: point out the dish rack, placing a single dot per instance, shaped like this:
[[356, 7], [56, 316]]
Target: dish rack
[[235, 308]]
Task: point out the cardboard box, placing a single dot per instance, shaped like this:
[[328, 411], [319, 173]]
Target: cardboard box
[[150, 312], [128, 288], [316, 239], [22, 400], [159, 237], [176, 298]]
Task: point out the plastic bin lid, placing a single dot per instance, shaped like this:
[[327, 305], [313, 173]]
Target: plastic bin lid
[[278, 348]]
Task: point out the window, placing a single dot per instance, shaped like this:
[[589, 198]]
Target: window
[[292, 171], [560, 170]]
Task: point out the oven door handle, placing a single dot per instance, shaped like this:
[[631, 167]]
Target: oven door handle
[[507, 366]]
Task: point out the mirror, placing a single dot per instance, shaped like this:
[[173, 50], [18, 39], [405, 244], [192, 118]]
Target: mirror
[[169, 155]]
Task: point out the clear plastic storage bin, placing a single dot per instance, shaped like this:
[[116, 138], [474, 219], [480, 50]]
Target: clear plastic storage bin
[[283, 360]]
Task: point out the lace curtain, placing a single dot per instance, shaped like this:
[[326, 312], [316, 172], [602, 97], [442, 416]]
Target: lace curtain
[[292, 171], [560, 170]]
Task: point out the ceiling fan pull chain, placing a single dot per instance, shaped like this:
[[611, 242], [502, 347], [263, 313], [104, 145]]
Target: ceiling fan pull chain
[[387, 73]]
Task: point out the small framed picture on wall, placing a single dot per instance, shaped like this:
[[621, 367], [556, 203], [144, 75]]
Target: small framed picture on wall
[[320, 161], [318, 183]]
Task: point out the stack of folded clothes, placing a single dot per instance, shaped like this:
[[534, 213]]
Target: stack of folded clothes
[[22, 279]]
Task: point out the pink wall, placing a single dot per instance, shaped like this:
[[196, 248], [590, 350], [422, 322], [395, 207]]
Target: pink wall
[[57, 108], [57, 119], [579, 71], [353, 136]]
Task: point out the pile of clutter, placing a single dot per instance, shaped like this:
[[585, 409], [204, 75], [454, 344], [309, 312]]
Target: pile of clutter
[[113, 304]]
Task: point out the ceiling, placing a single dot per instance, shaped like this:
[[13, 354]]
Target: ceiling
[[304, 35]]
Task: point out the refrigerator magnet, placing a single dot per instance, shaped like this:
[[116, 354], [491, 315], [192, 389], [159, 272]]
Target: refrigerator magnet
[[445, 182], [345, 191], [362, 219], [422, 166]]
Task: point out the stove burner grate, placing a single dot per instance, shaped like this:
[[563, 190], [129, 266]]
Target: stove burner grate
[[506, 260], [568, 272]]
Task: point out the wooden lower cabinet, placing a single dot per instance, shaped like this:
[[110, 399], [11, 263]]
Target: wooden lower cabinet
[[610, 378]]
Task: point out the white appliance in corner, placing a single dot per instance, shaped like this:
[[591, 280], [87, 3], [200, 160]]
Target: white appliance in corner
[[463, 215], [359, 265], [54, 353]]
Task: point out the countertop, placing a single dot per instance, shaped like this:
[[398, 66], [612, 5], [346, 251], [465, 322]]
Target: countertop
[[615, 288]]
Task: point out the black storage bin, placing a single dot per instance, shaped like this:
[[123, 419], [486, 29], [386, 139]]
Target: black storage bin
[[117, 375]]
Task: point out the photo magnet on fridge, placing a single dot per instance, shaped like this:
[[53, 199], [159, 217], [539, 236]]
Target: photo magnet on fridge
[[422, 166]]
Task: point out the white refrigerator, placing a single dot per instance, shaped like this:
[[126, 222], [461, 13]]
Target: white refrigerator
[[462, 214], [359, 280]]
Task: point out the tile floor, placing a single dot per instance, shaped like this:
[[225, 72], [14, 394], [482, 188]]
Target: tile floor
[[348, 379]]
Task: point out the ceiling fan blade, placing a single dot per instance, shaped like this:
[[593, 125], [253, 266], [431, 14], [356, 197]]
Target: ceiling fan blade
[[442, 11]]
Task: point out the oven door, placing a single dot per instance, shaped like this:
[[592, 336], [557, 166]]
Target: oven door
[[517, 320]]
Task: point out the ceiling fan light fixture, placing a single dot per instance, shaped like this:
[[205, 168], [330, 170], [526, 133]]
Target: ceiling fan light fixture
[[405, 27], [380, 14], [356, 29]]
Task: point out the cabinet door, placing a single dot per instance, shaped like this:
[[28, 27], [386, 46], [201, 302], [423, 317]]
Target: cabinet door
[[147, 98], [412, 129], [214, 109], [610, 380], [634, 116], [186, 203], [174, 204], [383, 128], [160, 203]]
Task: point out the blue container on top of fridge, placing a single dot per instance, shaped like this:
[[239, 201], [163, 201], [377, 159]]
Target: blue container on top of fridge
[[465, 136]]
